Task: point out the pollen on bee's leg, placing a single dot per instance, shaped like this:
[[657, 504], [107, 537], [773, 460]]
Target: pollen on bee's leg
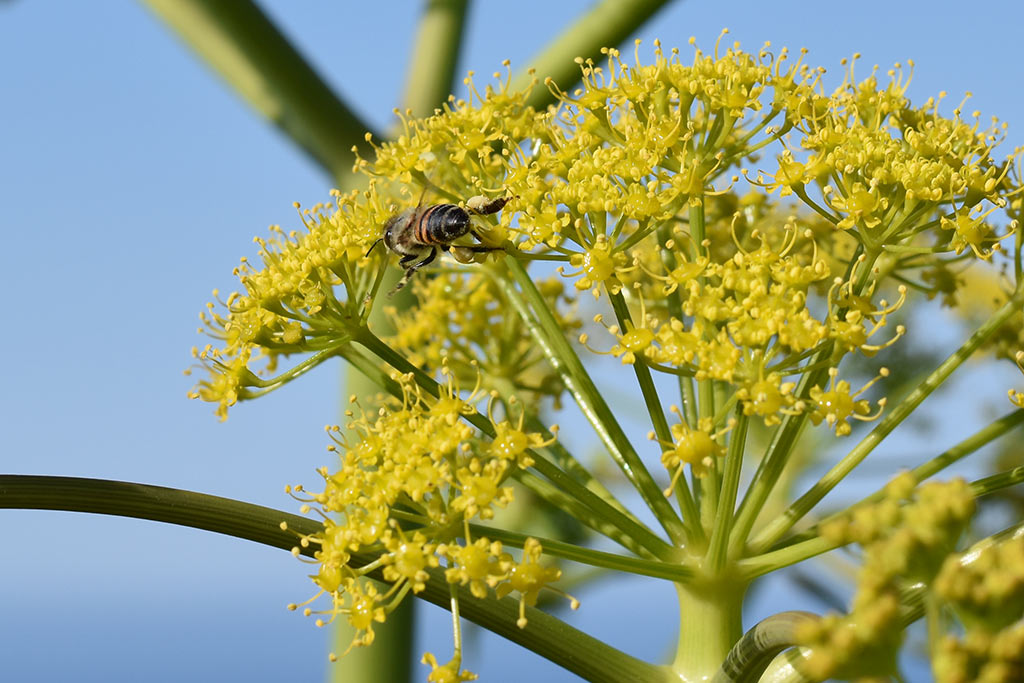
[[463, 254], [484, 205]]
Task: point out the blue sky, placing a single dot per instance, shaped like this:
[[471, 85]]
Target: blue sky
[[132, 180]]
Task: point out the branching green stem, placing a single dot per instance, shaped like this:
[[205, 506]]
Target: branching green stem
[[779, 526], [598, 506], [691, 517], [716, 555], [542, 324], [766, 563], [971, 444]]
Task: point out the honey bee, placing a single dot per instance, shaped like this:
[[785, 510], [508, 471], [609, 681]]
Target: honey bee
[[417, 233]]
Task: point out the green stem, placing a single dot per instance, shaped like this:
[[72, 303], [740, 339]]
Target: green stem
[[752, 567], [547, 636], [800, 192], [431, 74], [564, 360], [589, 556], [710, 483], [697, 227], [558, 498], [766, 563], [997, 482], [716, 555], [157, 503], [691, 517], [392, 656], [781, 524], [710, 624], [971, 444], [607, 24], [295, 371], [254, 57]]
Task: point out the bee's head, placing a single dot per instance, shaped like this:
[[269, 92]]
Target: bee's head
[[389, 227], [394, 226]]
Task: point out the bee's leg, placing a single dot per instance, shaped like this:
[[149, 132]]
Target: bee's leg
[[405, 261], [427, 261], [483, 206]]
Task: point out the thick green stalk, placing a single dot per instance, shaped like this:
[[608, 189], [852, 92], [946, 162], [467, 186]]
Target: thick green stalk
[[431, 74], [710, 624], [158, 503], [429, 80], [566, 362], [544, 635], [246, 49], [392, 657], [607, 24], [781, 524]]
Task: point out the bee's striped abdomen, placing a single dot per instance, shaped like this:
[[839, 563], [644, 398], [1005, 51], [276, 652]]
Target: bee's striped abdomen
[[441, 223]]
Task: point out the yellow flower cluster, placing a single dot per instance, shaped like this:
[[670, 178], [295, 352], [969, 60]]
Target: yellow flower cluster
[[308, 297], [748, 321], [906, 537], [416, 464], [644, 187], [627, 182], [1017, 397]]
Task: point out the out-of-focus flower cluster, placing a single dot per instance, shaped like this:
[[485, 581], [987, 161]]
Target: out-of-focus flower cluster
[[906, 538], [462, 321], [985, 586]]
